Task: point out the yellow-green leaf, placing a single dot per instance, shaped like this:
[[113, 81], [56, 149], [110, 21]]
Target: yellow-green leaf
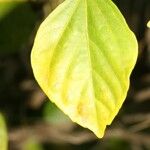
[[148, 24], [82, 58], [3, 134]]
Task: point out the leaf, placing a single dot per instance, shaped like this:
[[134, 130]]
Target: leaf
[[82, 58], [148, 24], [53, 115], [3, 134], [32, 144]]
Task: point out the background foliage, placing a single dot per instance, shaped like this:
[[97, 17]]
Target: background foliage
[[33, 122]]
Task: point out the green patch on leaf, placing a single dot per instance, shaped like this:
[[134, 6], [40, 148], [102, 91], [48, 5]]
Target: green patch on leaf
[[82, 58]]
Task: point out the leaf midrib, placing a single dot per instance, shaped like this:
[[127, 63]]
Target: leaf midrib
[[90, 60]]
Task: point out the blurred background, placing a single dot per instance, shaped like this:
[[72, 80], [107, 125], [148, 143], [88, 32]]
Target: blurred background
[[30, 121]]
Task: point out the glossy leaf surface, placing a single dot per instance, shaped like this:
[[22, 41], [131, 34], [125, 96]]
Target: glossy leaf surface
[[82, 58]]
